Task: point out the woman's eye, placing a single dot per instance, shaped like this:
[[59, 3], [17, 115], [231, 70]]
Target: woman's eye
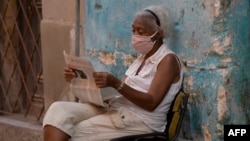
[[140, 33]]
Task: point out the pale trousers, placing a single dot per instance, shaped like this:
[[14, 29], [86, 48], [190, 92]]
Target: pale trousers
[[86, 122]]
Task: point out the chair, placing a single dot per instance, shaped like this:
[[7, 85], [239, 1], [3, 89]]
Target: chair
[[174, 119]]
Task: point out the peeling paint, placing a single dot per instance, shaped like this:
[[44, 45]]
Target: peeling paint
[[189, 82], [225, 76], [107, 58], [226, 59], [222, 6], [192, 61], [217, 46], [92, 52], [212, 67], [207, 134], [222, 103], [220, 129], [227, 41], [128, 59], [216, 8], [211, 40]]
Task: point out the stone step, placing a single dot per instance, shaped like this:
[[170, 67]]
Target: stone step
[[12, 129]]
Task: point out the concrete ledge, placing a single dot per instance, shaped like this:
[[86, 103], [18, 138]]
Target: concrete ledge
[[16, 130]]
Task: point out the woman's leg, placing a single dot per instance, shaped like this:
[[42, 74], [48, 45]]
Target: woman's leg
[[51, 133], [109, 125], [61, 118]]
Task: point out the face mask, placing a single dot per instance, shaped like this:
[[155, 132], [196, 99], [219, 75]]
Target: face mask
[[143, 44]]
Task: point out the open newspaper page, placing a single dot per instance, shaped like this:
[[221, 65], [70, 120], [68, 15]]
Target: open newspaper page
[[83, 86]]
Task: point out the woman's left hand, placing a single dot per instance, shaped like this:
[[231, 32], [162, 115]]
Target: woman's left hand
[[103, 79]]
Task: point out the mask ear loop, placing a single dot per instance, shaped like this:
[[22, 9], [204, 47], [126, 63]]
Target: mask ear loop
[[153, 36]]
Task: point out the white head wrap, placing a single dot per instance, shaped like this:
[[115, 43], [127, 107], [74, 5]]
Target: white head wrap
[[162, 13]]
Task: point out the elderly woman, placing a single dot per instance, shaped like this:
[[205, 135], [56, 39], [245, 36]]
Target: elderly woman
[[147, 90]]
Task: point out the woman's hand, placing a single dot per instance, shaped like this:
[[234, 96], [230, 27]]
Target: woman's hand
[[69, 74], [104, 79]]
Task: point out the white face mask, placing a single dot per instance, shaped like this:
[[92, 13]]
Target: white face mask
[[143, 44]]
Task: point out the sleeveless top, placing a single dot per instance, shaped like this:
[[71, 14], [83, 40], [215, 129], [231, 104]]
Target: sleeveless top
[[156, 119]]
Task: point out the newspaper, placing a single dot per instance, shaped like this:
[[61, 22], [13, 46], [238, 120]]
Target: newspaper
[[83, 86]]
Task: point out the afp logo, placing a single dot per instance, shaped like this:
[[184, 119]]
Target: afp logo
[[235, 132]]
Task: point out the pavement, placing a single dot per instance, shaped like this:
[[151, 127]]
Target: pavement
[[13, 129]]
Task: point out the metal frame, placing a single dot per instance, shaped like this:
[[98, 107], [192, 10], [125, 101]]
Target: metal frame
[[21, 81]]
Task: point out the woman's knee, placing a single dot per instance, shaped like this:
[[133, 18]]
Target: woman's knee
[[55, 113], [61, 108], [57, 105]]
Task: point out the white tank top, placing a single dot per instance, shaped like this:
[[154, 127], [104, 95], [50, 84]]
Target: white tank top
[[156, 120]]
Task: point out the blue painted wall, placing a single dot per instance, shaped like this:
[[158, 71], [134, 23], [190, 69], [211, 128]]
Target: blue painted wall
[[211, 37]]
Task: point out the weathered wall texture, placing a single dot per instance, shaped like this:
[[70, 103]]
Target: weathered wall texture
[[211, 37], [58, 34]]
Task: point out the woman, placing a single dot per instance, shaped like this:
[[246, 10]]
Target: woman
[[147, 90]]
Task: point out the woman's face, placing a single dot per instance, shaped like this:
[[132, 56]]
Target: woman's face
[[143, 25]]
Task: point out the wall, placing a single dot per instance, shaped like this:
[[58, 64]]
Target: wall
[[58, 34], [212, 39]]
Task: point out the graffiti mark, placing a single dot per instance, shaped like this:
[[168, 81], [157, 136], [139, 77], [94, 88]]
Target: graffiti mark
[[203, 6], [98, 5], [193, 41]]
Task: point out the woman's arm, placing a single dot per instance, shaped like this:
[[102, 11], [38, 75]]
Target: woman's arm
[[167, 73]]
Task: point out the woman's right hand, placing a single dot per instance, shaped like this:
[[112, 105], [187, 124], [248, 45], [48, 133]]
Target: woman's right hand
[[69, 74]]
